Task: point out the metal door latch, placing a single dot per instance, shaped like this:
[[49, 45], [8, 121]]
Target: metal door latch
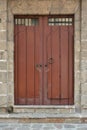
[[50, 60], [38, 67], [46, 65]]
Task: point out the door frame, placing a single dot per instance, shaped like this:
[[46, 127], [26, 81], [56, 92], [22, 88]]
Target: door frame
[[49, 16], [76, 14]]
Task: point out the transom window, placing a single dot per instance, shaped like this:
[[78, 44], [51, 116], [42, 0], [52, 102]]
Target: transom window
[[27, 21], [60, 21]]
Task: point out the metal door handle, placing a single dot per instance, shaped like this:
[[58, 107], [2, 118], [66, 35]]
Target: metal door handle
[[38, 66], [50, 60], [46, 65]]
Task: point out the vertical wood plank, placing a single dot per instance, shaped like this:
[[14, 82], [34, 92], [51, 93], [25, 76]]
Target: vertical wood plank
[[55, 64], [38, 70], [30, 65], [47, 42], [49, 54], [64, 62], [21, 65], [15, 63], [71, 65]]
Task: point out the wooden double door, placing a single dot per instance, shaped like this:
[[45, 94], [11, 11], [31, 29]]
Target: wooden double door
[[43, 60]]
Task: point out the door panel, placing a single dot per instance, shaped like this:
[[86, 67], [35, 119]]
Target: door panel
[[38, 61], [53, 63], [30, 64], [71, 65], [27, 56], [60, 75], [64, 61], [44, 70], [47, 67], [21, 65]]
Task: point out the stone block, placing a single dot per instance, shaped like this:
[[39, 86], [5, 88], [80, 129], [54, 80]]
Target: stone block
[[84, 89], [84, 33], [84, 6], [77, 99], [84, 46], [84, 77], [10, 46], [2, 35], [84, 55], [3, 88], [72, 120], [3, 24], [10, 65], [3, 66], [21, 110], [3, 77], [3, 55], [10, 55], [10, 32], [69, 126], [10, 76], [3, 16], [76, 56], [84, 23], [3, 45], [77, 90], [77, 35], [77, 77], [10, 100], [43, 6], [64, 111], [77, 66], [3, 101], [77, 14], [2, 111], [3, 4], [77, 25], [11, 88], [76, 86], [84, 110], [82, 128], [77, 46], [83, 65], [84, 100]]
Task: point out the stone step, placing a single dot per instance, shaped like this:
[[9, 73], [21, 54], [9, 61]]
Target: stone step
[[41, 118], [42, 126]]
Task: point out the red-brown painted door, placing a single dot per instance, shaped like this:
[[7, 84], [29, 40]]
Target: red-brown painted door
[[28, 58], [59, 60], [44, 60]]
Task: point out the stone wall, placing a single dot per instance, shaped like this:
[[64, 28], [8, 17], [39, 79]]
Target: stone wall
[[84, 57], [3, 53], [8, 8]]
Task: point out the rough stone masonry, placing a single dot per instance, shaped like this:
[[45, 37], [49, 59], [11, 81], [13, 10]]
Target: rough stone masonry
[[8, 8]]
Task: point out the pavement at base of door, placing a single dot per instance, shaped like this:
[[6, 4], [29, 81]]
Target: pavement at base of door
[[42, 126]]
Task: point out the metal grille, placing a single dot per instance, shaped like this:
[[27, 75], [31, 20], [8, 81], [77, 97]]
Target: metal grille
[[27, 21], [60, 21]]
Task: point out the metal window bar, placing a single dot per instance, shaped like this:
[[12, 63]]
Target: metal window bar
[[60, 21], [26, 21]]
